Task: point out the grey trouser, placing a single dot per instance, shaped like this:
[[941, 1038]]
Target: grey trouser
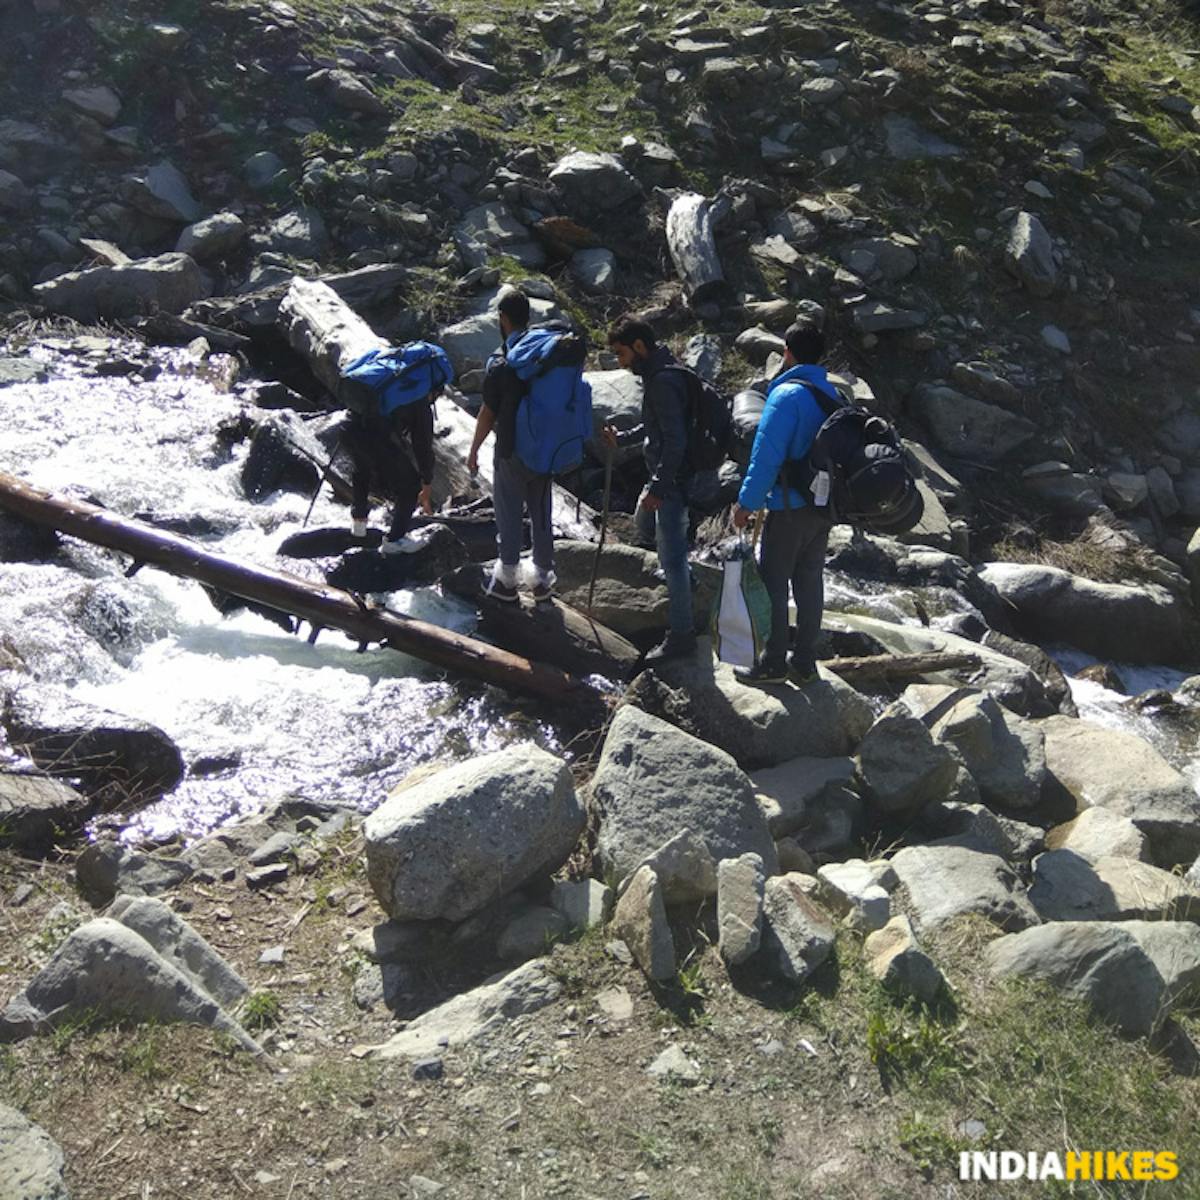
[[793, 552], [516, 488]]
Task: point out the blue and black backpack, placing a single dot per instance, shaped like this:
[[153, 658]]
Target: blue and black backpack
[[401, 375], [554, 418]]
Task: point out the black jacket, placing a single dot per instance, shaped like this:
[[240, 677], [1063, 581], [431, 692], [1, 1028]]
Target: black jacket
[[409, 430], [666, 410]]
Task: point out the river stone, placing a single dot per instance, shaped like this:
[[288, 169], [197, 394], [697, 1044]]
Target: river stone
[[760, 727], [451, 843], [640, 921], [106, 967], [1146, 623], [594, 182], [907, 140], [300, 232], [530, 932], [741, 887], [629, 598], [674, 1064], [31, 1162], [212, 238], [895, 958], [653, 779], [71, 737], [495, 228], [584, 902], [101, 103], [1005, 753], [35, 811], [1096, 766], [1104, 964], [1068, 887], [970, 428], [798, 935], [469, 342], [945, 882], [1030, 255], [347, 91], [174, 940], [162, 192], [900, 768], [686, 870], [106, 869], [1097, 832], [473, 1014], [595, 271], [168, 284], [788, 792]]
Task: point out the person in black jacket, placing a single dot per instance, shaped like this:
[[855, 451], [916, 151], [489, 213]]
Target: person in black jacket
[[394, 456], [663, 506]]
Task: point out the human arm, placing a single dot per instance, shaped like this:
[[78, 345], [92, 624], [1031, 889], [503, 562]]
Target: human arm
[[667, 397], [483, 426], [770, 451]]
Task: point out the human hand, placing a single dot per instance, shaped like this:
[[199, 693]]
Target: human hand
[[425, 499], [473, 462], [741, 516], [650, 502], [608, 435]]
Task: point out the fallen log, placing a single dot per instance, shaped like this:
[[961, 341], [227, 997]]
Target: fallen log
[[554, 631], [874, 667], [324, 607], [693, 247]]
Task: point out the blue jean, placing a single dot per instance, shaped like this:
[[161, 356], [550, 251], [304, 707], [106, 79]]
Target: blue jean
[[670, 529]]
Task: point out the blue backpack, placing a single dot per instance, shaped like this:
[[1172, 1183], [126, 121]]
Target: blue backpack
[[554, 418], [401, 375]]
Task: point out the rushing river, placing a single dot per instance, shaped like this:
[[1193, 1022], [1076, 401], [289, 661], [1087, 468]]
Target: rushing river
[[257, 713]]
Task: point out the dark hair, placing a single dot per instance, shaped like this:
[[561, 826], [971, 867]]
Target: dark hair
[[627, 330], [806, 342], [514, 304]]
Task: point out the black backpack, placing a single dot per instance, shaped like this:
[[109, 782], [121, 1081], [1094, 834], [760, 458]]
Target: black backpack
[[869, 481], [711, 430]]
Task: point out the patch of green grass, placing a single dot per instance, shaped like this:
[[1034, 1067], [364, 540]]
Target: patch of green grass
[[1136, 66], [262, 1010], [72, 1026], [143, 1053], [929, 1145]]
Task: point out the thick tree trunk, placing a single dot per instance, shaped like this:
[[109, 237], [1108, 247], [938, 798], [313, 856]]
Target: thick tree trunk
[[693, 248], [321, 606], [896, 666]]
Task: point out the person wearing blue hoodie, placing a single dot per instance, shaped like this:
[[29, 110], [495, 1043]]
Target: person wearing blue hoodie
[[796, 532]]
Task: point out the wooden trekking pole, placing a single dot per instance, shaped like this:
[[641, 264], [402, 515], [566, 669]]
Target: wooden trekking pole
[[321, 482]]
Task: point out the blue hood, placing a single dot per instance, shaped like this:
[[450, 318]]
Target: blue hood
[[530, 351]]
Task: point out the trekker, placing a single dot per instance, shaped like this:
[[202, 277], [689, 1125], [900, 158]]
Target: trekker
[[393, 453], [662, 511], [535, 399], [795, 533]]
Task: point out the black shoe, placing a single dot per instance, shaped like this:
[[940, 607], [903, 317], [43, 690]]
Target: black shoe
[[497, 590], [674, 645], [760, 673], [802, 673]]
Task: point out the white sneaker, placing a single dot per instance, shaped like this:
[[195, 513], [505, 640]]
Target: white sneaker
[[404, 545], [358, 527]]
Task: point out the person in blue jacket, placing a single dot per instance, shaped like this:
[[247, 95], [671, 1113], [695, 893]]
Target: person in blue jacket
[[795, 534]]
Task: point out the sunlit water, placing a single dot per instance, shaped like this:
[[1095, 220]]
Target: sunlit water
[[257, 713]]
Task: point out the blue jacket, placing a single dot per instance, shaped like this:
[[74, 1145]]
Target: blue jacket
[[790, 420]]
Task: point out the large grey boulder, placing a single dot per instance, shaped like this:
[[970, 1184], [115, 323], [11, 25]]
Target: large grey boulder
[[946, 882], [789, 793], [469, 342], [653, 780], [1146, 623], [212, 238], [741, 888], [1129, 973], [616, 400], [629, 598], [1095, 766], [595, 271], [162, 191], [900, 768], [1029, 255], [168, 283], [1068, 887], [1097, 832], [593, 182], [450, 843], [798, 934], [685, 867], [495, 229], [970, 428], [760, 727], [35, 811], [106, 967], [31, 1162], [1005, 753], [470, 1016], [71, 737]]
